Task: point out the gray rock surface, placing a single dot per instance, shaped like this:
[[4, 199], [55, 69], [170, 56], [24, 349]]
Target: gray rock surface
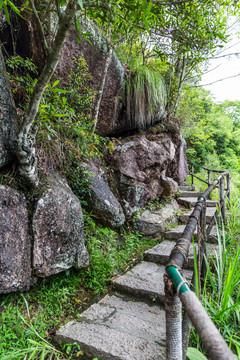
[[8, 117], [179, 168], [58, 230], [102, 201], [138, 164], [152, 223], [145, 280], [170, 187], [15, 261], [118, 328]]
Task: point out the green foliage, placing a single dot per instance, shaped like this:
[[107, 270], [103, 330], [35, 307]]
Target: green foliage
[[211, 130], [72, 350], [195, 354], [20, 338], [221, 295], [63, 122], [22, 83], [81, 94], [109, 253]]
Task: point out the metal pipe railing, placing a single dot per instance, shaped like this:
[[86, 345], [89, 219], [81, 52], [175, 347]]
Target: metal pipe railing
[[177, 331]]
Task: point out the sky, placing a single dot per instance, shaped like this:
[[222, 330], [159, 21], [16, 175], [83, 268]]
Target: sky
[[224, 67]]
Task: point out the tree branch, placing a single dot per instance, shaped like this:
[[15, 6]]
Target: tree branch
[[176, 2], [226, 78], [96, 4], [24, 148], [40, 28], [58, 9], [221, 56]]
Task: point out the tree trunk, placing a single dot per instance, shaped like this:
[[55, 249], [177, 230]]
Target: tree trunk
[[24, 142], [173, 112], [174, 103], [101, 87]]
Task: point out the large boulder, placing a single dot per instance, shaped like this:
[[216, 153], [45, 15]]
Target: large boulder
[[170, 187], [58, 230], [8, 117], [15, 244], [102, 201], [139, 163], [179, 168], [153, 223]]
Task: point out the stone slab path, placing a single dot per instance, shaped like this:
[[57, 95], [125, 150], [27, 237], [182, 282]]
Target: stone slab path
[[129, 323]]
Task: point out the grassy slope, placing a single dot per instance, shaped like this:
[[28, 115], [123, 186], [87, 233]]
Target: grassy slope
[[54, 301]]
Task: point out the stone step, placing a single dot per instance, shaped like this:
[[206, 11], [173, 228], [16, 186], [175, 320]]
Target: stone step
[[210, 211], [118, 328], [191, 202], [186, 188], [176, 232], [145, 280], [184, 183], [187, 194], [160, 253]]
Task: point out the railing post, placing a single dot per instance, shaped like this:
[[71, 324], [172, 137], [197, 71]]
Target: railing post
[[173, 313], [204, 239], [222, 198], [192, 174], [228, 187], [209, 177]]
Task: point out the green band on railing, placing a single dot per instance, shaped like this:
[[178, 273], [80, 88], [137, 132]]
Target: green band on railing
[[196, 164], [177, 279]]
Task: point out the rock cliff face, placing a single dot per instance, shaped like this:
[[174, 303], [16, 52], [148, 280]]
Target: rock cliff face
[[140, 162], [111, 114], [141, 168]]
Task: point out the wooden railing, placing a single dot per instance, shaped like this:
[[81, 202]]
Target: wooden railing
[[178, 293]]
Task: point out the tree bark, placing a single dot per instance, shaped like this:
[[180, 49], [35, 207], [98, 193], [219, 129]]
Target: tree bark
[[24, 143]]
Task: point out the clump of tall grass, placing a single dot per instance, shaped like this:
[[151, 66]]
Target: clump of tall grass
[[146, 96], [221, 290]]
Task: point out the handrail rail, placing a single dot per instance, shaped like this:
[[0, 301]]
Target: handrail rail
[[178, 293], [205, 168], [209, 171]]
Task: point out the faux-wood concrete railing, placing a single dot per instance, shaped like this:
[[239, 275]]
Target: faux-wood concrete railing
[[177, 291]]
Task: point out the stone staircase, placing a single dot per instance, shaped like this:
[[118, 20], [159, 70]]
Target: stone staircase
[[129, 323]]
